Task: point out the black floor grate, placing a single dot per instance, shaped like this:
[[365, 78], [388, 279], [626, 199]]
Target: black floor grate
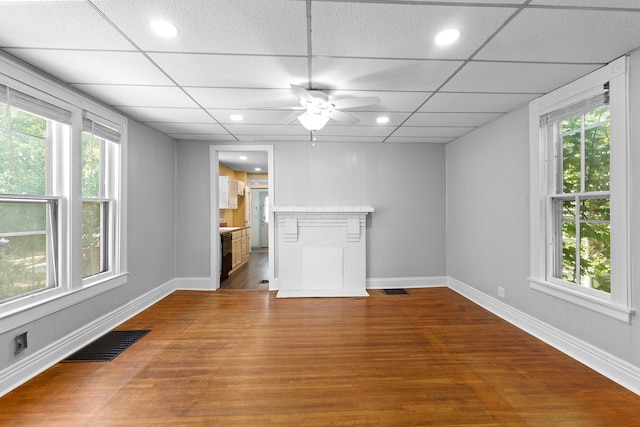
[[394, 291], [107, 347]]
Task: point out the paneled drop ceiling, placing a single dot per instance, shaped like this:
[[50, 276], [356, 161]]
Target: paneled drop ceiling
[[240, 57]]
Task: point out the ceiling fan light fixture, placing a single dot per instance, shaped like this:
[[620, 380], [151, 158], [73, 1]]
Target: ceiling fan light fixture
[[313, 122]]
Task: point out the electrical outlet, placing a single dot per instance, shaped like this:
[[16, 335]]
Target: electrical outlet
[[20, 342], [500, 291]]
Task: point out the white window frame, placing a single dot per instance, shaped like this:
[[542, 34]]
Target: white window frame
[[617, 304], [66, 188]]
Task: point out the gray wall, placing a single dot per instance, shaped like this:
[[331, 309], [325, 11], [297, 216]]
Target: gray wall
[[488, 227], [404, 183], [151, 243], [152, 209]]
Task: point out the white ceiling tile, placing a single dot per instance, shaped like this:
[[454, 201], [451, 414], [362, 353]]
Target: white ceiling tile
[[203, 137], [451, 119], [233, 70], [161, 114], [236, 98], [190, 128], [515, 77], [465, 2], [255, 117], [57, 24], [320, 139], [274, 27], [565, 35], [380, 74], [355, 130], [622, 4], [476, 102], [280, 130], [400, 30], [274, 138], [419, 140], [139, 96], [433, 132], [369, 118], [73, 66]]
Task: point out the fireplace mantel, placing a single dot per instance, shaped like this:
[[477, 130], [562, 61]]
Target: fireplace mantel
[[321, 250]]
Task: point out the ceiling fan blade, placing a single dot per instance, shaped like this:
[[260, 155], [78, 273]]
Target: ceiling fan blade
[[343, 117], [301, 93], [354, 102]]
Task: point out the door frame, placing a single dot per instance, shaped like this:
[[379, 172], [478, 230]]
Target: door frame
[[214, 172]]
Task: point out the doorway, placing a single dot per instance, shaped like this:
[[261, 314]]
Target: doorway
[[260, 220], [265, 198]]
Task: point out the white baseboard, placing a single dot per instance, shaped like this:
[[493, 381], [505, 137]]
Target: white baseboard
[[27, 368], [610, 366], [193, 283], [406, 282]]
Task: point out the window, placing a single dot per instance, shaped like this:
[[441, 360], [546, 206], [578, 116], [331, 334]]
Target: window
[[29, 135], [60, 194], [98, 154], [579, 192]]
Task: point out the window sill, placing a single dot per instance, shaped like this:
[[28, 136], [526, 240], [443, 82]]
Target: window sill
[[25, 310], [598, 305]]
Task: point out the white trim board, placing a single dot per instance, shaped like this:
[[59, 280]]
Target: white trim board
[[32, 365], [610, 366], [406, 282]]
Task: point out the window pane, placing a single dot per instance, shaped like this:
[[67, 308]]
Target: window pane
[[21, 217], [595, 209], [92, 232], [595, 117], [91, 153], [23, 248], [28, 123], [572, 123], [22, 163], [569, 210], [3, 115], [597, 153], [569, 251], [595, 256], [571, 163]]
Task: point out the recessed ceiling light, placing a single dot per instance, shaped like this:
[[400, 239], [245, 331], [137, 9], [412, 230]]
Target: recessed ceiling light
[[243, 157], [164, 28], [447, 37], [237, 117], [382, 119], [257, 169]]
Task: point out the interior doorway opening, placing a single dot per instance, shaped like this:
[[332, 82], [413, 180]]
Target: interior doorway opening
[[246, 221]]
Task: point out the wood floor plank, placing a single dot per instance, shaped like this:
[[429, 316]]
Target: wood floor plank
[[248, 359]]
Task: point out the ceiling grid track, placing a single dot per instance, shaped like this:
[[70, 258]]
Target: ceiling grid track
[[469, 59]]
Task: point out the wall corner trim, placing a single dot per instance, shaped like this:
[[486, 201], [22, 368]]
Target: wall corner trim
[[612, 367]]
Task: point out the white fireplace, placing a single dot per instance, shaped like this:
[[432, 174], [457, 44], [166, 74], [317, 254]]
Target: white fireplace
[[321, 251]]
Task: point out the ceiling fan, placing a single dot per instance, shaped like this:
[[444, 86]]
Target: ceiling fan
[[318, 108]]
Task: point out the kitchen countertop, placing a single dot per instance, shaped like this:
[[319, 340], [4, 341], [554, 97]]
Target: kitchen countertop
[[227, 230]]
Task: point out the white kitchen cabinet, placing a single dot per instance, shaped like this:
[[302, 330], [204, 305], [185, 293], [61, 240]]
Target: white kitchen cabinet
[[227, 193]]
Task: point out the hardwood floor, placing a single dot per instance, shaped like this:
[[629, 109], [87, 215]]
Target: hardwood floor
[[246, 358], [251, 275]]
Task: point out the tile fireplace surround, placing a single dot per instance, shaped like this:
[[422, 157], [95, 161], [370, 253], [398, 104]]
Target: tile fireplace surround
[[321, 251]]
